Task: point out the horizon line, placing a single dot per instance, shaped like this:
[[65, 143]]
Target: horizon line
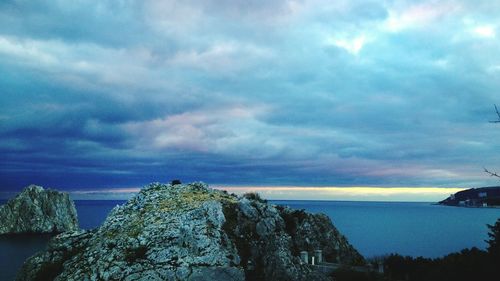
[[324, 193]]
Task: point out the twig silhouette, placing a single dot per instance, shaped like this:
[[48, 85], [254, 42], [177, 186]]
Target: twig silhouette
[[498, 114], [493, 174]]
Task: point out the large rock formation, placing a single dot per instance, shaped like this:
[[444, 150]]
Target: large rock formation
[[36, 210], [191, 232]]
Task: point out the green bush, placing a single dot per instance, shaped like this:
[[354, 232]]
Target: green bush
[[254, 196]]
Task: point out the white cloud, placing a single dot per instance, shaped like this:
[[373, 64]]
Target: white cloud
[[419, 15], [485, 31], [352, 46], [200, 130], [223, 57], [26, 50]]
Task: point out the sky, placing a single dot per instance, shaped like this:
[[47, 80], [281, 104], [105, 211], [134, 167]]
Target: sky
[[99, 95]]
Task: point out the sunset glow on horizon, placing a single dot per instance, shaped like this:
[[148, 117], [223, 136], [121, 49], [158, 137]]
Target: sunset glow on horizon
[[352, 193], [333, 193]]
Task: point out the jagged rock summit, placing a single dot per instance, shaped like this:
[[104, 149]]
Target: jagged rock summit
[[192, 232], [38, 210]]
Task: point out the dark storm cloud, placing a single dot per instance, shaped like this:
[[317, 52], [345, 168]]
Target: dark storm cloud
[[106, 93], [100, 22]]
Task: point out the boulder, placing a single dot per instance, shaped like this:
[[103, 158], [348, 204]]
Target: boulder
[[38, 210]]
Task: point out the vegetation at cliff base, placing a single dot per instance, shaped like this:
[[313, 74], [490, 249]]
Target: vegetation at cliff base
[[494, 242], [468, 264]]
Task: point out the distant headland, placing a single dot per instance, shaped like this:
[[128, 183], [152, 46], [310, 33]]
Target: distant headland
[[475, 197]]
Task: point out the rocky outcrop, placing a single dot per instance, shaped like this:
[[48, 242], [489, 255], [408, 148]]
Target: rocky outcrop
[[310, 232], [38, 210], [189, 232]]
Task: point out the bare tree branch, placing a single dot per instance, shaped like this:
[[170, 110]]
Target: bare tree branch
[[498, 114], [493, 174]]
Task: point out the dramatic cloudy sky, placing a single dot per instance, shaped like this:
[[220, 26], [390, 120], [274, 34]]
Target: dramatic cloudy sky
[[99, 94]]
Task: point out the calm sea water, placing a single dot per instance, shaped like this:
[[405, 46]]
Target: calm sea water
[[414, 229], [14, 250], [374, 228]]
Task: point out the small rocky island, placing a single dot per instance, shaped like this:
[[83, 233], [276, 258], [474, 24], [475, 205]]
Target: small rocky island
[[38, 210], [475, 197], [192, 232]]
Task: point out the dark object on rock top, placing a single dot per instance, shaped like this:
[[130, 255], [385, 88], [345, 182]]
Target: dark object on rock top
[[38, 210], [192, 232], [175, 182]]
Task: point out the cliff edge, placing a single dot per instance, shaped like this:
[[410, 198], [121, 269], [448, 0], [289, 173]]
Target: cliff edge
[[192, 232], [38, 210]]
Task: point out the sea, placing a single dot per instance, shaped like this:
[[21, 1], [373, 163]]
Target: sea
[[374, 228]]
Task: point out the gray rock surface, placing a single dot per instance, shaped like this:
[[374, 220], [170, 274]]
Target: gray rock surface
[[38, 210], [310, 232], [180, 232]]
